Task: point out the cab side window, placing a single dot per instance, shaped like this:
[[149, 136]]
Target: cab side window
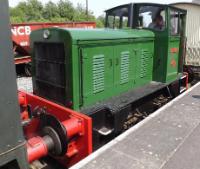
[[118, 18], [152, 17], [174, 23]]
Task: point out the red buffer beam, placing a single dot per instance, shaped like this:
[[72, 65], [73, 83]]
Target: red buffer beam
[[77, 127], [38, 147]]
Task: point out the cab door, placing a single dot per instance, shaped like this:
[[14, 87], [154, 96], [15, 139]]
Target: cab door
[[154, 18], [174, 44]]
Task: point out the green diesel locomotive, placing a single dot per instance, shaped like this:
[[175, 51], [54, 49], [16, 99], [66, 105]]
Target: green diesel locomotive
[[107, 73]]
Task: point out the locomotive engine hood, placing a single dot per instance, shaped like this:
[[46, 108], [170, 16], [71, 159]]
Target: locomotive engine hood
[[72, 66], [79, 36]]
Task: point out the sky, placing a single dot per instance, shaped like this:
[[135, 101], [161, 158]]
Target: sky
[[99, 6]]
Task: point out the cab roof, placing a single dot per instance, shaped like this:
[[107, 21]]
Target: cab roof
[[154, 4]]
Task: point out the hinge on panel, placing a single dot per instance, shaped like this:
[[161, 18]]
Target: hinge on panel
[[81, 78]]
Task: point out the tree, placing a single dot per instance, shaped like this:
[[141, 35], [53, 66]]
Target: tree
[[100, 21], [63, 10], [66, 10], [51, 11], [17, 15], [35, 10], [27, 11], [80, 14]]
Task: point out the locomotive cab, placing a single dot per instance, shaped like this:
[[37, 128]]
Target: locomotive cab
[[168, 25]]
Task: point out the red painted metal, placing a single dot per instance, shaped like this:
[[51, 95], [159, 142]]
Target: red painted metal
[[22, 60], [21, 32], [36, 148], [73, 126], [22, 100], [23, 104], [75, 123], [174, 50], [24, 115]]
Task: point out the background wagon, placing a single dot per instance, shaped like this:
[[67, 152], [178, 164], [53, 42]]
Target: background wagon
[[192, 32]]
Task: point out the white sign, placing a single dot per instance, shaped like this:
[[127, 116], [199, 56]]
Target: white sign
[[21, 30]]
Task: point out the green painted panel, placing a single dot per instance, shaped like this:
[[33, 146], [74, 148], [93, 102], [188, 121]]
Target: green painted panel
[[108, 71], [144, 63], [97, 73], [124, 66], [160, 56]]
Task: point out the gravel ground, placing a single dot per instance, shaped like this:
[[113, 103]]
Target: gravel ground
[[25, 83]]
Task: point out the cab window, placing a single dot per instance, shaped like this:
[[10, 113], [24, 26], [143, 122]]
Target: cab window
[[174, 23], [152, 17], [117, 18]]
